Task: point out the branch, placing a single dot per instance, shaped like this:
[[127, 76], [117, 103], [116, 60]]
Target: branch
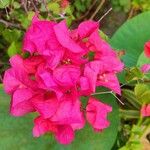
[[98, 8], [10, 24], [105, 15], [35, 8]]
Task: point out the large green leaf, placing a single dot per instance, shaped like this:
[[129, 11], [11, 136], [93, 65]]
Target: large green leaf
[[16, 133], [131, 38]]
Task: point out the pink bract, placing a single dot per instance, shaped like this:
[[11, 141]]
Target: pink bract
[[96, 114], [147, 49], [145, 110], [145, 68]]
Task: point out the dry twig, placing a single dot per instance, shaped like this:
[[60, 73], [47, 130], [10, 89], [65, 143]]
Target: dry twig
[[97, 9]]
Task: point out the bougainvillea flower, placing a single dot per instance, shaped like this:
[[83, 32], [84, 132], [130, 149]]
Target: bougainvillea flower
[[67, 118], [71, 58], [98, 76], [147, 49], [145, 68], [96, 114], [63, 65], [145, 110], [110, 81]]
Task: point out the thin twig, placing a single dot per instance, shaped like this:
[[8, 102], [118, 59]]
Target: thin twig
[[131, 13], [87, 12], [109, 92], [24, 3], [101, 93], [35, 8], [117, 98], [10, 24], [105, 15], [97, 10]]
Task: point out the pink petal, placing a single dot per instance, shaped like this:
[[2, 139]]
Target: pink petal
[[85, 86], [110, 64], [11, 83], [16, 61], [145, 110], [86, 28], [147, 49], [101, 46], [42, 126], [37, 35], [145, 68], [96, 114], [91, 71], [66, 75], [21, 104], [64, 38], [69, 112], [31, 64], [65, 134], [47, 78], [45, 104]]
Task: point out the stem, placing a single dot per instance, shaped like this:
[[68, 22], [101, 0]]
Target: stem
[[109, 10], [98, 8], [117, 98], [109, 92], [9, 24], [102, 93], [35, 8]]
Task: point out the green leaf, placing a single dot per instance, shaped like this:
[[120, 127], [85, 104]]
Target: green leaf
[[131, 98], [131, 38], [16, 133], [103, 35], [54, 7], [142, 93], [129, 114], [4, 3], [14, 48], [16, 5], [133, 74], [11, 35]]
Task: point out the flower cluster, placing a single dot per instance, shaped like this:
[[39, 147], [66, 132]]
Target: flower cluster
[[63, 66]]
